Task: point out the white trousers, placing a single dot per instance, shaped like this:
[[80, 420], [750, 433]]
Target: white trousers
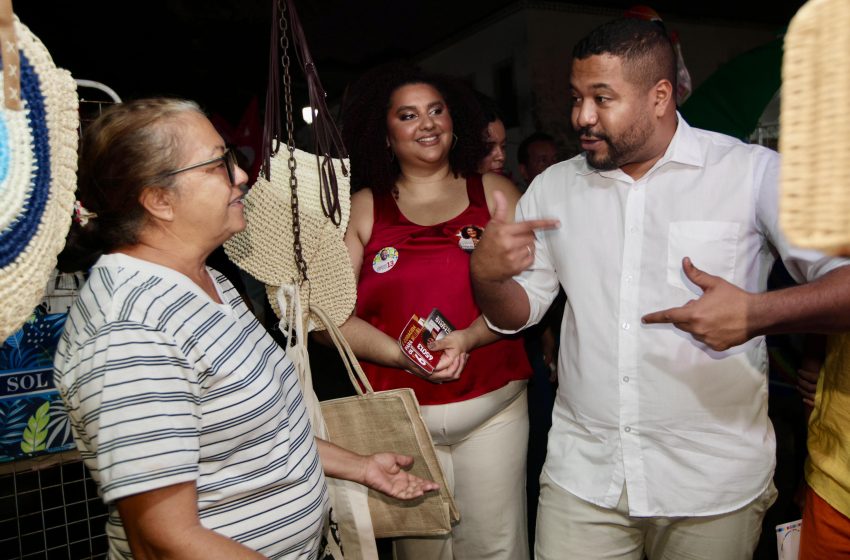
[[569, 527], [481, 445]]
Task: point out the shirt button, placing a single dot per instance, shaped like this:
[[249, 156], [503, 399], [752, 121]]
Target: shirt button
[[626, 326], [625, 379], [633, 229], [627, 429], [629, 277]]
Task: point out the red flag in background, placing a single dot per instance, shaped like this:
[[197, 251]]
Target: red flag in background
[[246, 138]]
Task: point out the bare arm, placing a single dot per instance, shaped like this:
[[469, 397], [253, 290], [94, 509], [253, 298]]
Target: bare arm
[[478, 334], [474, 336], [457, 345], [497, 183], [373, 345], [164, 524], [726, 316], [821, 306], [367, 342], [505, 250], [384, 472], [814, 354], [504, 302]]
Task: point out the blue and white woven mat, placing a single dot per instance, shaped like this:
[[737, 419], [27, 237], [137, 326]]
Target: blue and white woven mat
[[38, 164]]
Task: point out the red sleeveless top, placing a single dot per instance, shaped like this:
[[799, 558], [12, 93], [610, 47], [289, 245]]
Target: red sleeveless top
[[410, 269]]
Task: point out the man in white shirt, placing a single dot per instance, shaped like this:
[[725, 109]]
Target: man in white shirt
[[660, 442]]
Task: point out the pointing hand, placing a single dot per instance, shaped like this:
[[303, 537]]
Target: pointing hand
[[718, 318], [506, 248]]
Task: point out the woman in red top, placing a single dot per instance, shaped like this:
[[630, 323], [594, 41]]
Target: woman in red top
[[415, 144]]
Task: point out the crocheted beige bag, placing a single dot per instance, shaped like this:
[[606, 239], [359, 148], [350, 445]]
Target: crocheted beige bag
[[38, 165], [815, 128]]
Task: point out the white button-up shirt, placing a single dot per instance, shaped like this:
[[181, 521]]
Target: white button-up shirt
[[685, 428]]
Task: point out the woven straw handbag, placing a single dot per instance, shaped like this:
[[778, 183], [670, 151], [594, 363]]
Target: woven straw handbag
[[296, 215], [815, 128], [265, 248]]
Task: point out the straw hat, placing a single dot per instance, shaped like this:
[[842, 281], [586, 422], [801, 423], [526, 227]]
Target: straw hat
[[815, 128], [265, 248], [38, 164]]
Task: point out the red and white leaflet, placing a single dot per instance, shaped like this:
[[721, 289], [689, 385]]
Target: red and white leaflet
[[416, 335]]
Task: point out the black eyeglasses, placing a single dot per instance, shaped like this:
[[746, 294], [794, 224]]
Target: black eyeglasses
[[228, 157]]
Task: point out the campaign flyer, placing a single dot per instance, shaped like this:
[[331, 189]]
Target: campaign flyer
[[418, 333]]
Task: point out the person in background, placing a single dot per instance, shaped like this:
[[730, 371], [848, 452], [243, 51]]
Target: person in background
[[415, 144], [495, 137], [660, 444], [535, 154], [826, 514], [187, 414]]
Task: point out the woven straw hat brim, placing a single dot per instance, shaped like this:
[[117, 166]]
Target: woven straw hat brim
[[265, 248], [815, 128], [38, 165]]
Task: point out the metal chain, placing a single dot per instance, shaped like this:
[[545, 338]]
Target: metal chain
[[293, 180]]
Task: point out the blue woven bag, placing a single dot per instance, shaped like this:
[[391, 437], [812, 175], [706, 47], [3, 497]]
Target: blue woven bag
[[38, 163]]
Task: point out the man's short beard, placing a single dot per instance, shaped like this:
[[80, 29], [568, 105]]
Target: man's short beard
[[619, 153], [607, 162]]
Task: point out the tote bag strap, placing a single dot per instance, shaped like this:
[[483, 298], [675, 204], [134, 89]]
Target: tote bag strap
[[290, 304], [352, 365], [350, 500]]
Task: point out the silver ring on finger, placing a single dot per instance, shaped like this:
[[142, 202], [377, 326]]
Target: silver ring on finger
[[530, 253]]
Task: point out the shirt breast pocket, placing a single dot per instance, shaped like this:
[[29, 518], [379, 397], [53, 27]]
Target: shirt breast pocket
[[711, 246]]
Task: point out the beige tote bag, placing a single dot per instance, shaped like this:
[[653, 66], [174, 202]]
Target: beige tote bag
[[372, 422]]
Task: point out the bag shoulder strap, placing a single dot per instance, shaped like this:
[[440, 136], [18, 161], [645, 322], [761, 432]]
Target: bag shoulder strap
[[327, 140], [352, 365]]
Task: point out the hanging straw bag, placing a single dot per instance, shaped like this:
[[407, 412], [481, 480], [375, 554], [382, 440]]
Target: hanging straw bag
[[306, 268], [815, 128], [38, 165]]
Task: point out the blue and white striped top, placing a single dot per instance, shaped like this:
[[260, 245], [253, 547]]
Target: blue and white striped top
[[165, 386]]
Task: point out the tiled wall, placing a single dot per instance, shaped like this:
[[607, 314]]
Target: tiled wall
[[51, 511]]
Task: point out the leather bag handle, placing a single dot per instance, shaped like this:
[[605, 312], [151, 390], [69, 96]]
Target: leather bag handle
[[352, 365], [327, 140]]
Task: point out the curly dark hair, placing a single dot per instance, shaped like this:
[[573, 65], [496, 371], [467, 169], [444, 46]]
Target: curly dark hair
[[643, 45], [364, 124], [492, 113]]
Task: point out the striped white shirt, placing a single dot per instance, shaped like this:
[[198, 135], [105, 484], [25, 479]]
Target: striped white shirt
[[165, 386]]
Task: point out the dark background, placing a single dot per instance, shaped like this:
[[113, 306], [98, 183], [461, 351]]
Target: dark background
[[216, 52]]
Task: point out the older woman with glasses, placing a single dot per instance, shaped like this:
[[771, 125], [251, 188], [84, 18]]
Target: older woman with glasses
[[187, 414]]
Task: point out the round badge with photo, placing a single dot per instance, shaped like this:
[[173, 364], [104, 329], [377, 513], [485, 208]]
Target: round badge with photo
[[469, 236], [385, 259]]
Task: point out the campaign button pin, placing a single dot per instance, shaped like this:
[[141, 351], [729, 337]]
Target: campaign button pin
[[384, 260], [469, 236]]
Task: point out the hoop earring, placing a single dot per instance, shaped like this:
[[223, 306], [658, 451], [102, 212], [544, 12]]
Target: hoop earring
[[454, 141], [392, 154]]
